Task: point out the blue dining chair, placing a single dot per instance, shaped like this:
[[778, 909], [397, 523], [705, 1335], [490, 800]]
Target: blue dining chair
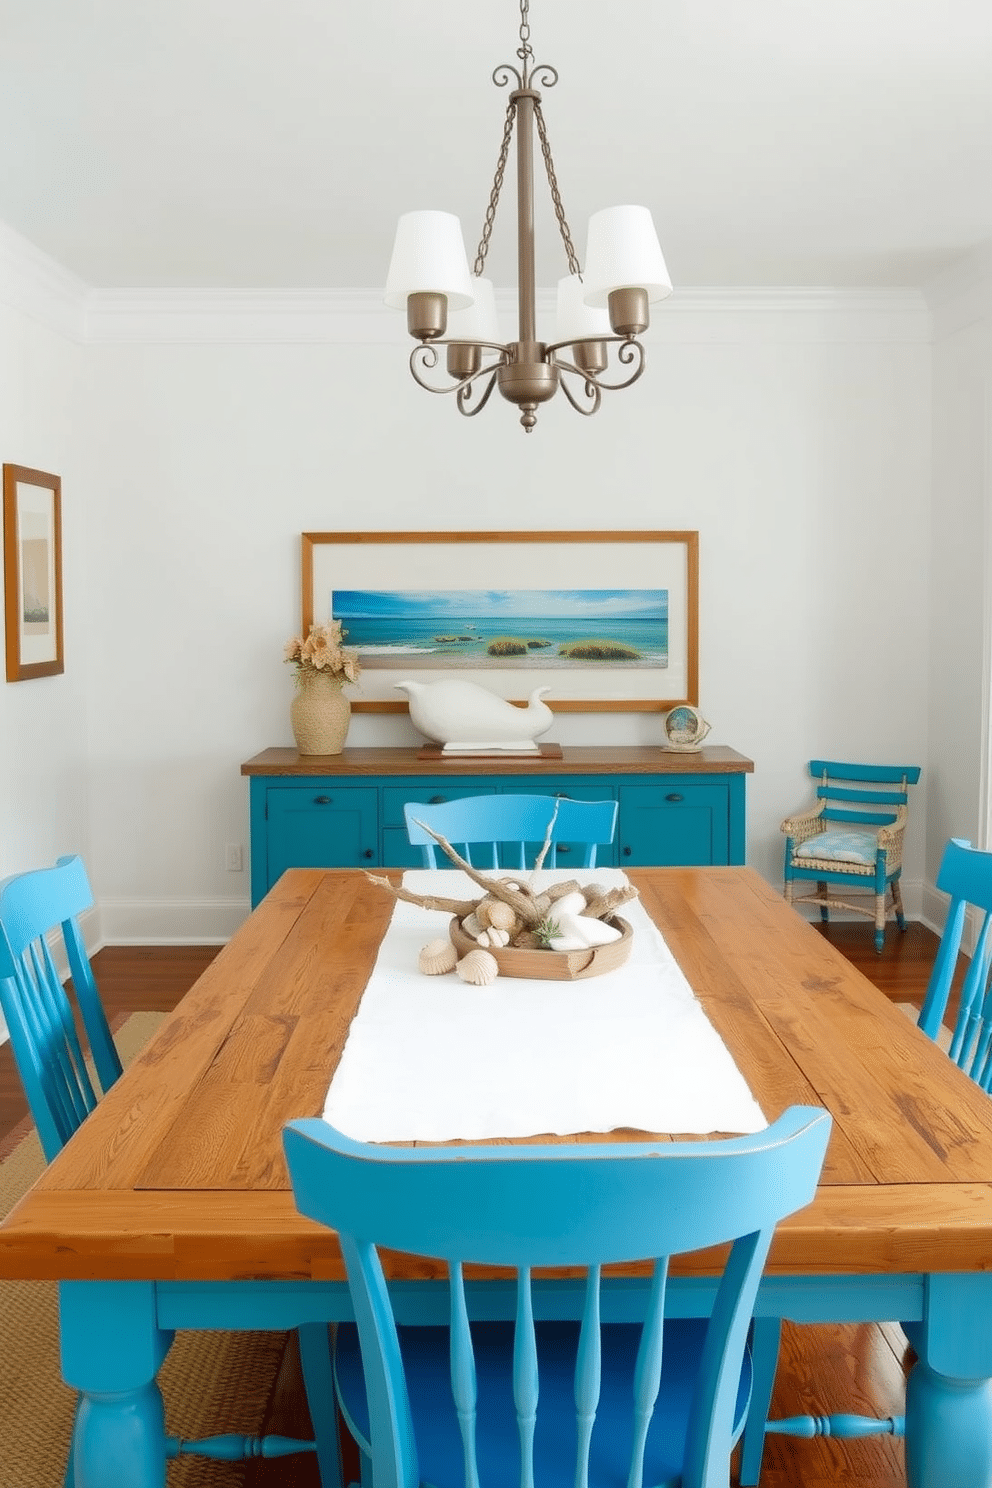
[[965, 875], [43, 906], [507, 831], [575, 1403], [852, 839]]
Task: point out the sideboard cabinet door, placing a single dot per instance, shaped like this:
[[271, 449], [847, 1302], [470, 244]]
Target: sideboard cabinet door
[[321, 826], [675, 824]]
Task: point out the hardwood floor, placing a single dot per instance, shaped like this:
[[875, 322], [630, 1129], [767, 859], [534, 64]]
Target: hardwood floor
[[822, 1370]]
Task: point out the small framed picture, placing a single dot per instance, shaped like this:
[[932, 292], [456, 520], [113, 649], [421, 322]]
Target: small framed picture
[[32, 570]]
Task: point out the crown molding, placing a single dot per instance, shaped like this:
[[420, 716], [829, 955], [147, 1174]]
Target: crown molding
[[961, 295], [359, 316], [235, 316], [39, 287], [34, 283]]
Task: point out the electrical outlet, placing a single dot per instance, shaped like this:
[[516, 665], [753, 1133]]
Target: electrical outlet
[[234, 858]]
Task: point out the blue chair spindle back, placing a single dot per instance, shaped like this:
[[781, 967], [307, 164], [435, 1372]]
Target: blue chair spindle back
[[60, 1093], [36, 1007], [966, 876], [480, 827], [553, 1206]]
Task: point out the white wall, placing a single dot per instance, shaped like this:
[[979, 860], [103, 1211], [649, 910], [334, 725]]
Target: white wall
[[958, 683], [791, 431], [198, 436], [44, 804]]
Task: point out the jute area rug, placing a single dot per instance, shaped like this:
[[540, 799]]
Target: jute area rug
[[211, 1382]]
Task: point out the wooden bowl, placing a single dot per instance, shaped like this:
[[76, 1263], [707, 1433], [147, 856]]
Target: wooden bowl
[[552, 966]]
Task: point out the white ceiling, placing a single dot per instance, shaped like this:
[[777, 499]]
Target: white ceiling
[[272, 143]]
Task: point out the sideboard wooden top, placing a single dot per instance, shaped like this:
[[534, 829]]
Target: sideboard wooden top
[[597, 759]]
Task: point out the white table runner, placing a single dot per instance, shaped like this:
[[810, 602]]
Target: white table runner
[[432, 1059]]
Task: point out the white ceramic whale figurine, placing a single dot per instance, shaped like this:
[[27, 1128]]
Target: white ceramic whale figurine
[[463, 716]]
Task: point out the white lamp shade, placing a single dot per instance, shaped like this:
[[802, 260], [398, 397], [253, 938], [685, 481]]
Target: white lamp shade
[[429, 256], [479, 321], [574, 319], [623, 252]]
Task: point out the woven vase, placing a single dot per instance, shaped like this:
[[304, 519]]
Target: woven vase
[[320, 713]]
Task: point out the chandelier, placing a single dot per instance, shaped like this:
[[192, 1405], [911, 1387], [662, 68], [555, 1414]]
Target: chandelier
[[603, 308]]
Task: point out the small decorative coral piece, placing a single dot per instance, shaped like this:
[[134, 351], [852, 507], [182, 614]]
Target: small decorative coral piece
[[438, 957], [478, 968]]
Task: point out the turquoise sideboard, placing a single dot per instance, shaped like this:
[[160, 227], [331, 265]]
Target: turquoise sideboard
[[346, 810]]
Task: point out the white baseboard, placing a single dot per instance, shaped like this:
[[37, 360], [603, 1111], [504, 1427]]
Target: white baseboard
[[168, 921]]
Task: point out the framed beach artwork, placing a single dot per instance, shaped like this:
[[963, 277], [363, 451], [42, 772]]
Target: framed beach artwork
[[607, 620], [32, 571]]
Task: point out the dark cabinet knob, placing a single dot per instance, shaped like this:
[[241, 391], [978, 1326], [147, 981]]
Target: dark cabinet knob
[[368, 853], [437, 800], [626, 852], [322, 800], [674, 796], [561, 848]]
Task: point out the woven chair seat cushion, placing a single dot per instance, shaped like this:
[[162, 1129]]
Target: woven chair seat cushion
[[840, 847]]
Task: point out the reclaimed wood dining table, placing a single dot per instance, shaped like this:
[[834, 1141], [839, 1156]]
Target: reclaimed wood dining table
[[171, 1206]]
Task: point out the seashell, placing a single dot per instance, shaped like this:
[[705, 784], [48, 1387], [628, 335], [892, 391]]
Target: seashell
[[498, 937], [568, 904], [483, 939], [437, 957], [501, 915], [472, 926], [483, 911], [595, 932], [578, 931], [478, 968]]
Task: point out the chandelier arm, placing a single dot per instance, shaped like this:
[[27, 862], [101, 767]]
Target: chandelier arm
[[424, 358], [591, 389], [629, 352], [464, 392], [549, 166]]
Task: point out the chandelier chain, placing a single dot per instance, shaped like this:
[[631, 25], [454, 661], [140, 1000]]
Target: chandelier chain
[[549, 165], [487, 228], [525, 51]]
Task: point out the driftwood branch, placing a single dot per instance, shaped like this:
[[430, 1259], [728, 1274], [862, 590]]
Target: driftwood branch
[[459, 907], [601, 907], [539, 863], [529, 907], [522, 904]]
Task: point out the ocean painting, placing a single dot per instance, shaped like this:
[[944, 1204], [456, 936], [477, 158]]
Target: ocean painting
[[505, 628]]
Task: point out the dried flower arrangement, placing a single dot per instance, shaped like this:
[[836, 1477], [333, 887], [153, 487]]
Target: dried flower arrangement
[[323, 651], [556, 932]]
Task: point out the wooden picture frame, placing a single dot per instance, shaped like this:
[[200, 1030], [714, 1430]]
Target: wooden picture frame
[[601, 569], [32, 569]]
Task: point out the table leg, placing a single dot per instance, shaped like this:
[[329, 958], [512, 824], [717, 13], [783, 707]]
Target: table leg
[[949, 1392], [112, 1348]]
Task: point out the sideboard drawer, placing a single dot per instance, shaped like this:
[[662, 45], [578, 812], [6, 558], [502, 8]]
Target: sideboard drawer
[[346, 811], [677, 824]]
